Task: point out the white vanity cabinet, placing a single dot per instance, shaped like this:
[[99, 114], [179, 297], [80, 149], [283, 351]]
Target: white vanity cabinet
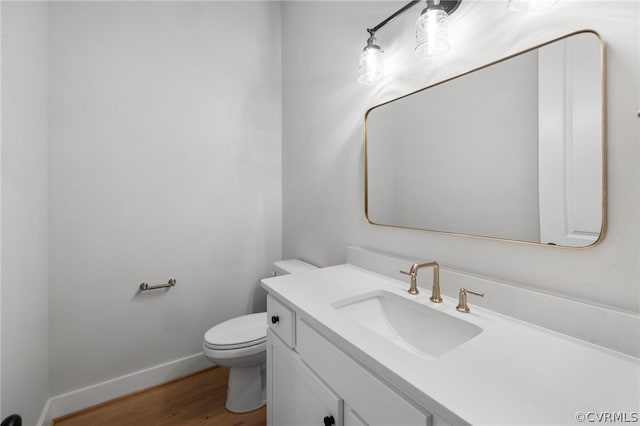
[[310, 381], [296, 396], [349, 362]]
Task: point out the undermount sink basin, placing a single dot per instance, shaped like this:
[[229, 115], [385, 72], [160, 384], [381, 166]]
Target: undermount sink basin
[[409, 324]]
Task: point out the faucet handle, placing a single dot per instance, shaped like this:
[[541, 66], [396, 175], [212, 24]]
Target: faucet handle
[[462, 299], [413, 288]]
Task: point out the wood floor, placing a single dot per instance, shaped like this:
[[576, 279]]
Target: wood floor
[[197, 399]]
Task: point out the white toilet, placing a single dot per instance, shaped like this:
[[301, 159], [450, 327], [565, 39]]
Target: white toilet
[[240, 344]]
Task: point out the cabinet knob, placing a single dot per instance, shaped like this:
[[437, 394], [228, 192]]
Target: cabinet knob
[[329, 421], [275, 319]]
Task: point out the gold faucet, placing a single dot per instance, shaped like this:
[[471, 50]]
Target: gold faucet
[[413, 273]]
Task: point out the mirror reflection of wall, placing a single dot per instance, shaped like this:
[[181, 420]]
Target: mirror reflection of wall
[[513, 150]]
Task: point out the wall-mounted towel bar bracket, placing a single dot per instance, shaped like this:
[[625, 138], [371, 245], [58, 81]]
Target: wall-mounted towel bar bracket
[[146, 286]]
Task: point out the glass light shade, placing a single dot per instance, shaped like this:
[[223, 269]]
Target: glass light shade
[[530, 6], [432, 33], [371, 64]]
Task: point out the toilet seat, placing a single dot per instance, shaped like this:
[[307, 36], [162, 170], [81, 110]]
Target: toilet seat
[[242, 345], [244, 332]]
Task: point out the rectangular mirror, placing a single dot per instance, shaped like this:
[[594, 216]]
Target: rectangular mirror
[[513, 150]]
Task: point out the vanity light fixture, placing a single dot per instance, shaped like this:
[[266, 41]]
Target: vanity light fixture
[[371, 63], [432, 29], [432, 37], [530, 6]]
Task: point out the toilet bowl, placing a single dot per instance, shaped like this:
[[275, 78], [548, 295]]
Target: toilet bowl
[[240, 344]]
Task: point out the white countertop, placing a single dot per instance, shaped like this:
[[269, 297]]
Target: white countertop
[[512, 373]]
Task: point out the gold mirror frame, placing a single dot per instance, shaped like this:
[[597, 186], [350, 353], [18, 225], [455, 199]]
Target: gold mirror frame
[[603, 152]]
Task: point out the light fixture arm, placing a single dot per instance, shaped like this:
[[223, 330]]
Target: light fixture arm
[[404, 8], [449, 6]]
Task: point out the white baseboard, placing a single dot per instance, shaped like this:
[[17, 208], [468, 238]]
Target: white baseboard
[[78, 399]]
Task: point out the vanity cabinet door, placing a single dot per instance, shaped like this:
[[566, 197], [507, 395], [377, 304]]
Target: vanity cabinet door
[[369, 401], [351, 418], [295, 395]]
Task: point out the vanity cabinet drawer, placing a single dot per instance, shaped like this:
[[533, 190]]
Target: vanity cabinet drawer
[[281, 320], [373, 401]]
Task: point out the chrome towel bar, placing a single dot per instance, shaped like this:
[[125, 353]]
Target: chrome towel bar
[[146, 286]]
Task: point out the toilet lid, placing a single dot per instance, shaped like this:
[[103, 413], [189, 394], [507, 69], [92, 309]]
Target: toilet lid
[[239, 332]]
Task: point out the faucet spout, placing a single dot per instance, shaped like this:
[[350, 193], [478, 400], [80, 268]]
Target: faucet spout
[[413, 273]]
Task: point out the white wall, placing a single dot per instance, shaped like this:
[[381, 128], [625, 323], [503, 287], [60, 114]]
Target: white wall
[[165, 161], [323, 123], [25, 367]]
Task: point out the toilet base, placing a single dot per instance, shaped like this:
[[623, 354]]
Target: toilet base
[[246, 388]]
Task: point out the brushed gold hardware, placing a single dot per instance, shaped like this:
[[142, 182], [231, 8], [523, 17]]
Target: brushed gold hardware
[[462, 299], [146, 286], [413, 273], [413, 287]]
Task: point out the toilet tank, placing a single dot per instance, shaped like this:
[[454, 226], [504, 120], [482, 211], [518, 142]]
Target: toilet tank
[[291, 266]]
